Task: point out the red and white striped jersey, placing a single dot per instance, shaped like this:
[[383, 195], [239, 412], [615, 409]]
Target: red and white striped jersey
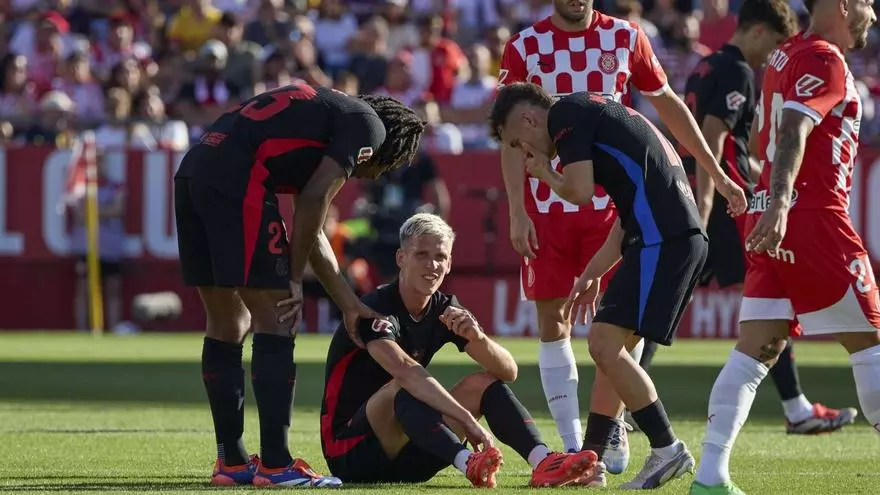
[[810, 75], [603, 59]]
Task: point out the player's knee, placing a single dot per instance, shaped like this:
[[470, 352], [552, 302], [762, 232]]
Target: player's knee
[[856, 342], [604, 345], [227, 319], [263, 310], [763, 340], [469, 390], [552, 323]]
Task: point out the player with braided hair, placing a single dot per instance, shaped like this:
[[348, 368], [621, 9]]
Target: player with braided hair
[[234, 249]]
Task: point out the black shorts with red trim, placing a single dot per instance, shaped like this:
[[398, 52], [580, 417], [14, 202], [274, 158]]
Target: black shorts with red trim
[[227, 242], [355, 455]]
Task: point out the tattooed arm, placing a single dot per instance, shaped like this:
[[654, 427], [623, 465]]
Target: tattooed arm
[[792, 142], [768, 233]]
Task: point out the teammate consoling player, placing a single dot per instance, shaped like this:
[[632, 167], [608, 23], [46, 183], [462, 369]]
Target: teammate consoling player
[[721, 93], [234, 249], [806, 262], [579, 49], [657, 236], [385, 419]]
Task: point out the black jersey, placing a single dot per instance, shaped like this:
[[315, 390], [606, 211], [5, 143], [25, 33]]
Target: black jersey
[[632, 160], [352, 376], [723, 85], [274, 141]]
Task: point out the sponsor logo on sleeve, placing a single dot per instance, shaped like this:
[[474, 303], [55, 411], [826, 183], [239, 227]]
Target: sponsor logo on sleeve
[[734, 100], [364, 154], [807, 85], [382, 326]]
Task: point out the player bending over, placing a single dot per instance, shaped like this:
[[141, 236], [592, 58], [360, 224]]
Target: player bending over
[[234, 249], [385, 419], [658, 234], [579, 48], [806, 261]]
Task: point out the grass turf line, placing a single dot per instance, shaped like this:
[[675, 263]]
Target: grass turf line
[[128, 414]]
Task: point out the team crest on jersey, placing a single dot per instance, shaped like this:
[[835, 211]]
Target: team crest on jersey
[[364, 154], [608, 63], [734, 99], [381, 326], [807, 85]]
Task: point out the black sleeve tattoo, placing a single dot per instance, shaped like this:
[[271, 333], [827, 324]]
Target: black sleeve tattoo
[[786, 162]]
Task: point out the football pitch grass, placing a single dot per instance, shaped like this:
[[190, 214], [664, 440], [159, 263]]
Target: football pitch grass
[[128, 414]]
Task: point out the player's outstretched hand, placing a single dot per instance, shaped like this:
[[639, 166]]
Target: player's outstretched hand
[[523, 236], [768, 233], [351, 317], [477, 436], [735, 196], [293, 305], [582, 300], [462, 323]]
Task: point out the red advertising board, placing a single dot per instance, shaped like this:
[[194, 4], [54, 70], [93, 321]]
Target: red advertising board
[[37, 279]]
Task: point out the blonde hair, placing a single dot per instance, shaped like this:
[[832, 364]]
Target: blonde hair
[[425, 224]]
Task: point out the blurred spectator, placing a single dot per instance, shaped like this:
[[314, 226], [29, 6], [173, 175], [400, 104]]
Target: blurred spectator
[[193, 25], [52, 126], [348, 83], [683, 52], [275, 71], [394, 197], [6, 133], [166, 133], [126, 75], [111, 231], [438, 137], [369, 62], [496, 39], [18, 98], [664, 16], [399, 80], [437, 60], [334, 27], [272, 26], [474, 93], [718, 24], [402, 34], [120, 46], [631, 10], [305, 53], [475, 17], [209, 94], [43, 45], [77, 82], [524, 13], [118, 132], [242, 65]]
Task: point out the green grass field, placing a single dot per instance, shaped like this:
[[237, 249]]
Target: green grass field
[[128, 414]]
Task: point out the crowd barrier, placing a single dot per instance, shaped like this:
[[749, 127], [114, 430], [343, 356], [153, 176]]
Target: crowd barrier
[[37, 281]]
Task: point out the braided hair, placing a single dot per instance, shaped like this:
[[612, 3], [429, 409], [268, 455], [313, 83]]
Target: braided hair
[[403, 131]]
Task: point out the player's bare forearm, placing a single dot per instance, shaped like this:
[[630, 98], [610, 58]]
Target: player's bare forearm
[[705, 195], [790, 146], [513, 172], [493, 358], [676, 116], [607, 255], [308, 221], [323, 262]]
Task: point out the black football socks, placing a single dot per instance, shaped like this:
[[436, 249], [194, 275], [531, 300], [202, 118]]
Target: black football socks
[[223, 376], [509, 421], [785, 375], [425, 428], [600, 431], [654, 423], [273, 376]]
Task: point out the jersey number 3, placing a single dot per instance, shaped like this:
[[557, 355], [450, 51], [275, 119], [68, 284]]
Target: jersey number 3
[[265, 106]]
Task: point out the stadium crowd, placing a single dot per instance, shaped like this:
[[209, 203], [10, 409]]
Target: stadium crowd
[[152, 73]]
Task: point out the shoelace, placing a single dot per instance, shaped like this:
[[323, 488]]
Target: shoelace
[[617, 439]]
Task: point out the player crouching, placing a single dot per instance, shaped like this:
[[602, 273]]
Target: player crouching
[[385, 419]]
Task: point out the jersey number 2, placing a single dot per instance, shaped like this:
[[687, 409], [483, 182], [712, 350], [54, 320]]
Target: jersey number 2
[[265, 106]]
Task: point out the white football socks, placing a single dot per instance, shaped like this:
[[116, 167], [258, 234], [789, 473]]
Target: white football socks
[[538, 454], [729, 405], [797, 409], [559, 376], [866, 371], [461, 459]]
